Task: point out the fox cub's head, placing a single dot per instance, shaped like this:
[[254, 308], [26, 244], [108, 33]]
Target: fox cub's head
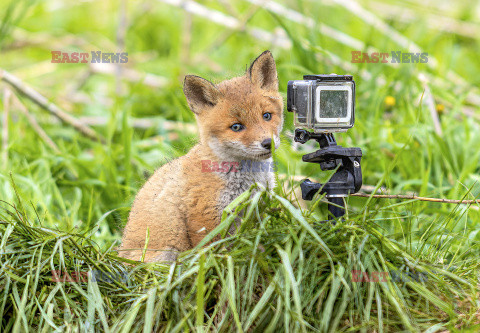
[[239, 118]]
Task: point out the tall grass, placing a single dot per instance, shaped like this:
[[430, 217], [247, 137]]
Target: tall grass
[[283, 270]]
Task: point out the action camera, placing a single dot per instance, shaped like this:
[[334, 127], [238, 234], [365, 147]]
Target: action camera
[[322, 103], [326, 104]]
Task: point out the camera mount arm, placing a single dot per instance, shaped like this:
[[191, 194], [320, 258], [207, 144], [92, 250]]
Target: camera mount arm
[[346, 180]]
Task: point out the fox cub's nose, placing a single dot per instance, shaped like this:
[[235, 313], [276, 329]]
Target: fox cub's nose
[[267, 144]]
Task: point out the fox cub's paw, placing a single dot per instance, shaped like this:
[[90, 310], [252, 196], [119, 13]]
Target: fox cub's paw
[[168, 256]]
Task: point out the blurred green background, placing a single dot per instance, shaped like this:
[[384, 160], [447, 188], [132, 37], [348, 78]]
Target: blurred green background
[[140, 110]]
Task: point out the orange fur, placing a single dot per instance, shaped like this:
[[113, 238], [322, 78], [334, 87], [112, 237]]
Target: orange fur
[[181, 202]]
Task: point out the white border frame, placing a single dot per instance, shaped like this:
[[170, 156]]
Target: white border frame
[[343, 120]]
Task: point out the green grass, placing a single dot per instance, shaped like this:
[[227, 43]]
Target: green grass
[[284, 270], [74, 202]]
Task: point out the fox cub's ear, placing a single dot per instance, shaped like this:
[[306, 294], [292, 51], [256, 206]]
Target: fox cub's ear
[[200, 93], [263, 72]]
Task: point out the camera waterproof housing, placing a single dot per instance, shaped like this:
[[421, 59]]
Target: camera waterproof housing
[[322, 103]]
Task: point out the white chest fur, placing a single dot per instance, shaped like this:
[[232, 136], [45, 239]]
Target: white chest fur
[[239, 180]]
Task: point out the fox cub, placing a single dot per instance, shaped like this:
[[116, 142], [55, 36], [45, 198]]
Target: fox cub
[[239, 121]]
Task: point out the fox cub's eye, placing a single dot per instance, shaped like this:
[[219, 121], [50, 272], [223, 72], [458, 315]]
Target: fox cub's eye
[[237, 127], [267, 116]]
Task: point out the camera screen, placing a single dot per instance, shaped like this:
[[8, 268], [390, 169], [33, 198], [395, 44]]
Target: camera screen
[[333, 106], [333, 103]]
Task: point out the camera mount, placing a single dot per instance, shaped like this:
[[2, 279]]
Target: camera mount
[[346, 180]]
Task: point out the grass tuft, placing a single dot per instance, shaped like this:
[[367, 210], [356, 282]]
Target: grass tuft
[[283, 270]]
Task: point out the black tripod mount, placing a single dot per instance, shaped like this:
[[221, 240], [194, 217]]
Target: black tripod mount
[[346, 180]]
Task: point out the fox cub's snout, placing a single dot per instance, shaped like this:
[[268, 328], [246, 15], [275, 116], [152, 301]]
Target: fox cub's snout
[[239, 121]]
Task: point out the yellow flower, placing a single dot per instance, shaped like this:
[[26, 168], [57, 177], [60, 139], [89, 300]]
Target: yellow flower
[[440, 108], [389, 101]]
